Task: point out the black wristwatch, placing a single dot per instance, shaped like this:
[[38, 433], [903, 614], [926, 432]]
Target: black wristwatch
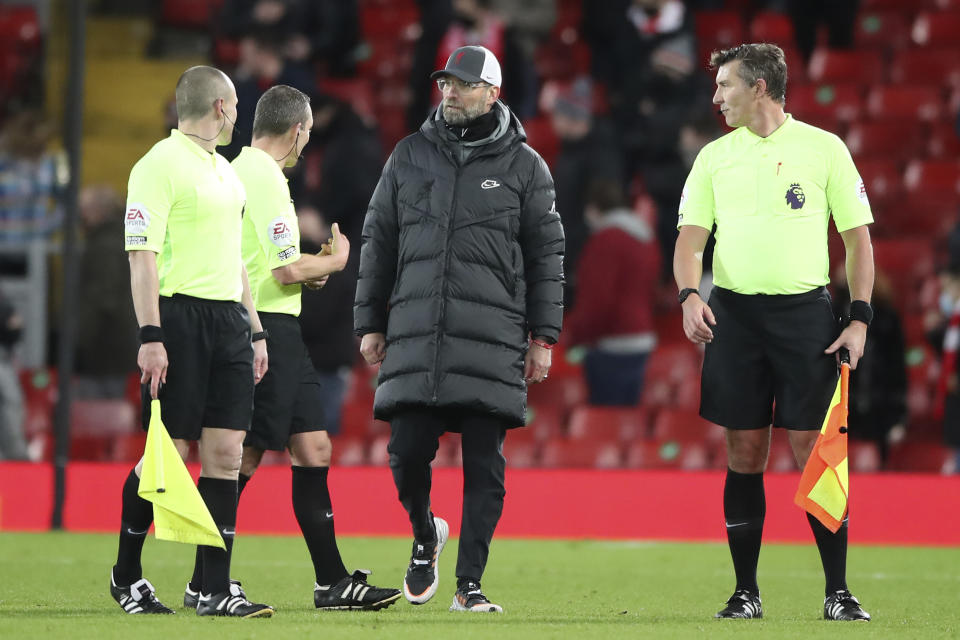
[[259, 335], [685, 293]]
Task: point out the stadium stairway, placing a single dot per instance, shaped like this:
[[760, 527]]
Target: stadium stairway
[[125, 97]]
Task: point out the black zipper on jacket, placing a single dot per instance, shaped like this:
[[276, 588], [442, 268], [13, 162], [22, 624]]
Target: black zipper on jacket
[[443, 281]]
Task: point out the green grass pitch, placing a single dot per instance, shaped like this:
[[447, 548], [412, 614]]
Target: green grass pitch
[[54, 585]]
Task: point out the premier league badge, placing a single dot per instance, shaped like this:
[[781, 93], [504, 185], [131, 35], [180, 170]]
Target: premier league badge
[[795, 197]]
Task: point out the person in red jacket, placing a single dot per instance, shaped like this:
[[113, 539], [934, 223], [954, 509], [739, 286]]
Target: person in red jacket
[[613, 313]]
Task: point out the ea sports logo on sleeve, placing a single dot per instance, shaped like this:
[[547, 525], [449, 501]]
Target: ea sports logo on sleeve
[[280, 232], [137, 219]]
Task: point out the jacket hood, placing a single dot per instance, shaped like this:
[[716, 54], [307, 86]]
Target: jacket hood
[[626, 221]]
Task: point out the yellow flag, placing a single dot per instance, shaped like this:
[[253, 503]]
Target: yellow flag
[[825, 482], [179, 513]]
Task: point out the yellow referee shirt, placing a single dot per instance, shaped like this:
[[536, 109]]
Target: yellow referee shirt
[[271, 235], [771, 199], [187, 206]]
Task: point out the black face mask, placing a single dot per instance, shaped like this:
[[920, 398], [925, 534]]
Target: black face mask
[[467, 21]]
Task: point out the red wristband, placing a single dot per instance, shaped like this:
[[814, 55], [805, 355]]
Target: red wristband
[[541, 343]]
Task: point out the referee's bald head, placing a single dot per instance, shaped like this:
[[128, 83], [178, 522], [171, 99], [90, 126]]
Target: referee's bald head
[[198, 89]]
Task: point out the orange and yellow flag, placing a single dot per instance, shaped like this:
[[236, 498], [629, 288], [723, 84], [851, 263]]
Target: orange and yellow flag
[[824, 485]]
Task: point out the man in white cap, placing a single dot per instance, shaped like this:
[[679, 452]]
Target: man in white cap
[[460, 297]]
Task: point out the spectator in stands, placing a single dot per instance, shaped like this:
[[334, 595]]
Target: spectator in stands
[[13, 445], [878, 387], [106, 351], [341, 166], [324, 32], [588, 152], [435, 17], [613, 316], [944, 332], [808, 16], [261, 66], [528, 23], [30, 177], [326, 319]]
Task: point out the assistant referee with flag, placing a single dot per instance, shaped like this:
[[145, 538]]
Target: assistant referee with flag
[[192, 301], [770, 187]]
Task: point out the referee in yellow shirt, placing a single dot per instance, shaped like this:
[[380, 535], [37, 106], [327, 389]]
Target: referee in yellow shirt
[[193, 304], [288, 411], [770, 187]]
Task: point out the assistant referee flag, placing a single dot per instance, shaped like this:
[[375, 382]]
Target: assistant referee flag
[[824, 485], [179, 513]]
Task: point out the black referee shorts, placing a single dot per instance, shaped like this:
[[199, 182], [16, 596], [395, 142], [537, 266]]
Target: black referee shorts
[[210, 372], [766, 362], [288, 399]]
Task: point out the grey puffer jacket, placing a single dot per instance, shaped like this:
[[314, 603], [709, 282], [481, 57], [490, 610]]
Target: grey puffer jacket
[[462, 260]]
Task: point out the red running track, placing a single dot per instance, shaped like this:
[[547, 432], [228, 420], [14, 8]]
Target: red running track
[[899, 509]]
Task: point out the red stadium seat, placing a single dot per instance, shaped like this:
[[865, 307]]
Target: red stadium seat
[[936, 29], [934, 67], [349, 451], [520, 455], [927, 457], [387, 20], [719, 29], [892, 140], [19, 29], [841, 101], [564, 392], [882, 178], [781, 458], [917, 215], [771, 26], [608, 424], [685, 426], [559, 453], [377, 453], [189, 14], [543, 422], [905, 101], [842, 65], [933, 177], [905, 261], [672, 377], [541, 136], [878, 28], [864, 456], [943, 142], [102, 417], [646, 454]]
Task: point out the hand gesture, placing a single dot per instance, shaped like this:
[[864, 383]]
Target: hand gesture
[[536, 364], [373, 347], [697, 320], [152, 360]]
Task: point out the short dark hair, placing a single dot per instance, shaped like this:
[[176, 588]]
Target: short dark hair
[[605, 194], [758, 60], [278, 109], [198, 88]]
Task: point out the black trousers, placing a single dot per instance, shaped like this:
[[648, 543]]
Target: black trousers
[[414, 438]]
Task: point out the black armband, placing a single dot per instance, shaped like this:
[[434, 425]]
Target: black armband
[[861, 311], [259, 335], [150, 333]]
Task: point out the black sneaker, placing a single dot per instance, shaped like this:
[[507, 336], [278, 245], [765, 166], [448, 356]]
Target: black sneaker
[[139, 597], [352, 593], [742, 604], [469, 597], [843, 606], [420, 583], [191, 597], [232, 603]]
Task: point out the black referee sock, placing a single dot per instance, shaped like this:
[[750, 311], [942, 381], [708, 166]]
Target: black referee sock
[[311, 505], [197, 580], [136, 514], [744, 508], [833, 554], [220, 497]]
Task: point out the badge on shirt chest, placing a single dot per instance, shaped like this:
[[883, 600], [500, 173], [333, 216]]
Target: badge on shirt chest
[[795, 196]]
